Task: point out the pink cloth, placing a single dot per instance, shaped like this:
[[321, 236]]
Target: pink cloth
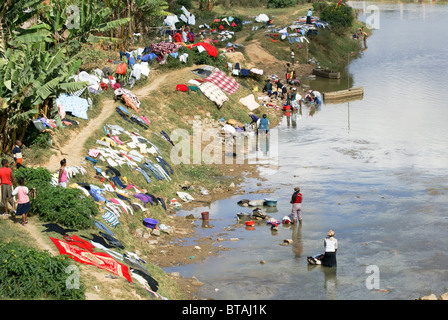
[[94, 153]]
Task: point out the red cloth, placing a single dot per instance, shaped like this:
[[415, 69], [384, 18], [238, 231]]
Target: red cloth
[[77, 241], [211, 50], [226, 83], [98, 259], [234, 24], [181, 87]]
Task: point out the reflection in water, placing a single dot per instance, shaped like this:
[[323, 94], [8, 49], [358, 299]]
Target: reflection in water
[[297, 243], [330, 284]]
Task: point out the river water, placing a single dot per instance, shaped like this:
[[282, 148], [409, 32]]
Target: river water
[[374, 170]]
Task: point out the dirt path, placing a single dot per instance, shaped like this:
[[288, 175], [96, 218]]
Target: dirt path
[[74, 150]]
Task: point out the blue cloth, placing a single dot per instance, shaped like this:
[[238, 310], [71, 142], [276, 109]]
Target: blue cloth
[[164, 165], [118, 182], [145, 175], [131, 61], [75, 105], [174, 54], [101, 226]]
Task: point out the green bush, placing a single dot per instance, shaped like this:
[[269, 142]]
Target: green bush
[[281, 3], [29, 274], [338, 15], [319, 6], [68, 207], [34, 178], [65, 206]]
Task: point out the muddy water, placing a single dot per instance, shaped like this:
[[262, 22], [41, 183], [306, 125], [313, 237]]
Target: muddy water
[[374, 170]]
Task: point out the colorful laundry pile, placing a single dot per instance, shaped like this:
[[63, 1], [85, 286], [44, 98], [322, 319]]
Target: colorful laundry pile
[[128, 98]]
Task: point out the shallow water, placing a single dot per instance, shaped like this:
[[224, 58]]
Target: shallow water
[[374, 170]]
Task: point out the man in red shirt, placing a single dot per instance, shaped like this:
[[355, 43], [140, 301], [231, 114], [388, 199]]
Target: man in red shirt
[[296, 201], [7, 179]]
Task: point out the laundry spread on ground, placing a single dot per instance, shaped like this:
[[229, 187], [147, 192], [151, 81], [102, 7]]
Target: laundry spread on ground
[[226, 83], [98, 259], [214, 93]]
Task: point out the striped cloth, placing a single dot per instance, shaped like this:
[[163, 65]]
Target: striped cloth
[[214, 93], [226, 83]]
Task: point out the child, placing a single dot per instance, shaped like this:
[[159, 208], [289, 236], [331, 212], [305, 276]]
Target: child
[[23, 200], [62, 179]]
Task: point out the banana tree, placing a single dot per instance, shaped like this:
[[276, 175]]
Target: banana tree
[[30, 78]]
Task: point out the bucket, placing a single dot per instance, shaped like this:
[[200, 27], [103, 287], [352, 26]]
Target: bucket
[[250, 223], [150, 223], [205, 215]]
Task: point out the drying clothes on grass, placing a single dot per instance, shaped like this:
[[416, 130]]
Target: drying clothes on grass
[[211, 50], [99, 259], [226, 83], [75, 105], [129, 98], [250, 102], [214, 93]]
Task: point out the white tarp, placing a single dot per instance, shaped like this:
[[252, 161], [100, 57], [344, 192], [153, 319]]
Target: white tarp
[[262, 18]]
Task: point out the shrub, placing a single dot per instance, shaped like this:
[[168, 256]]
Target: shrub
[[68, 207], [338, 15], [29, 274], [34, 178], [281, 3], [319, 6]]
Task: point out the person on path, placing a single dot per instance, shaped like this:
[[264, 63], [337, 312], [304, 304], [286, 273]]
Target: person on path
[[292, 57], [263, 124], [17, 153], [296, 201], [23, 200], [62, 179], [7, 181]]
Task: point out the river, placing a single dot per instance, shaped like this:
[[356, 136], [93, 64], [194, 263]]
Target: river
[[374, 170]]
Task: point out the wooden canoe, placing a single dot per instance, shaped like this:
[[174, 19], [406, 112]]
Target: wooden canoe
[[344, 94], [326, 73]]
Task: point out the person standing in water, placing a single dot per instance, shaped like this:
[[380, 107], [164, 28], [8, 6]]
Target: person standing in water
[[263, 125], [296, 201]]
